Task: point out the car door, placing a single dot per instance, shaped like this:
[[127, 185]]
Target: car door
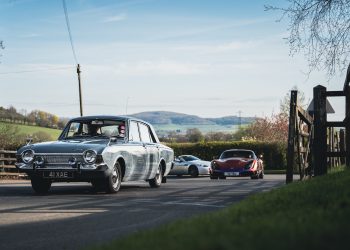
[[152, 151], [176, 167], [138, 153], [183, 166]]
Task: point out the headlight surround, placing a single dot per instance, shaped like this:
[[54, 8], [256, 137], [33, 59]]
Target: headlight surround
[[90, 156], [28, 156]]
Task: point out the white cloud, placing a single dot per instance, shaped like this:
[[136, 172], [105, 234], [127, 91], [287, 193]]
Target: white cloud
[[217, 48], [152, 68], [30, 35], [116, 18]]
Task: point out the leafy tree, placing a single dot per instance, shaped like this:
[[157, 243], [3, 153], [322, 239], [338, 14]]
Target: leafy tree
[[8, 136], [321, 30], [194, 135], [218, 136]]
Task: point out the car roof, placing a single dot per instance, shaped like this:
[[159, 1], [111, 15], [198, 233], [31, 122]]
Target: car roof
[[230, 150], [106, 117]]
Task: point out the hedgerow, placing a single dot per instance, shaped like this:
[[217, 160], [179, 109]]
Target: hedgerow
[[274, 154]]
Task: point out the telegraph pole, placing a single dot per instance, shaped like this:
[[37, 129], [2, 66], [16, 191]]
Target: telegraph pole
[[80, 99], [240, 118]]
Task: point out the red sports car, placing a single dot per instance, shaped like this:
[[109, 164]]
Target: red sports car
[[237, 162]]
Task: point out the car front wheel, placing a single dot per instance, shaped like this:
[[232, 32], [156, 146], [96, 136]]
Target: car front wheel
[[261, 175], [157, 180], [40, 185], [193, 171], [114, 180]]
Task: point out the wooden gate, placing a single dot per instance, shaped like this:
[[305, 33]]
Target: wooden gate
[[299, 140], [313, 143]]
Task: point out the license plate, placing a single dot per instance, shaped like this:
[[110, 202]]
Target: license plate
[[231, 173], [58, 174]]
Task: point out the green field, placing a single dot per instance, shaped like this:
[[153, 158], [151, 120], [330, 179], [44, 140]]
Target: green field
[[310, 215], [29, 130]]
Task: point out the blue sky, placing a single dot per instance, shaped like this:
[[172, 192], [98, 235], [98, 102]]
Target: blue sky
[[207, 58]]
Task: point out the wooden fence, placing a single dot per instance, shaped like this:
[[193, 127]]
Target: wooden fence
[[7, 165]]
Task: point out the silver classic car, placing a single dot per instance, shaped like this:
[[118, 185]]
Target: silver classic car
[[190, 165], [103, 150]]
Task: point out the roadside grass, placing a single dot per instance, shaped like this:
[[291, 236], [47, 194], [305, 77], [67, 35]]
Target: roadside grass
[[312, 214], [29, 130]]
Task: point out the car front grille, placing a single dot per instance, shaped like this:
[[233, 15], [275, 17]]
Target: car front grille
[[61, 159]]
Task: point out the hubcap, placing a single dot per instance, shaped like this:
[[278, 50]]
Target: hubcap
[[115, 178], [159, 174]]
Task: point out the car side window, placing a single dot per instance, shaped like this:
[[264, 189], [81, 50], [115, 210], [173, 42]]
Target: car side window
[[144, 131], [134, 134]]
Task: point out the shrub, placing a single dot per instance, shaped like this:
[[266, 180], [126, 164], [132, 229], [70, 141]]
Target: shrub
[[274, 154]]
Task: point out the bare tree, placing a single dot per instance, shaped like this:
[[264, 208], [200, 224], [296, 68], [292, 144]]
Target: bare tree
[[321, 30]]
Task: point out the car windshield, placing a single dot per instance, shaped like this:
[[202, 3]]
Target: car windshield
[[237, 154], [95, 128], [189, 158]]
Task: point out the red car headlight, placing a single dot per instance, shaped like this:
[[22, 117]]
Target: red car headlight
[[249, 165]]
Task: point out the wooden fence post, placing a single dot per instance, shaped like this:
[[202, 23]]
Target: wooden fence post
[[342, 144], [1, 161], [291, 135], [347, 125], [319, 153]]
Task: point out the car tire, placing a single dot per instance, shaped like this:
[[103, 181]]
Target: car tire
[[222, 177], [254, 176], [98, 185], [212, 177], [193, 171], [114, 180], [40, 185], [261, 175], [157, 180]]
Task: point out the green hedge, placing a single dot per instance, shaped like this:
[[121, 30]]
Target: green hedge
[[274, 154]]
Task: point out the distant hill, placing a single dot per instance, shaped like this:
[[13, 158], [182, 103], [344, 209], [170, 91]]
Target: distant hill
[[167, 118]]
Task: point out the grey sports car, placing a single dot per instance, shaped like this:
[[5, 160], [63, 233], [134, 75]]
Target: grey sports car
[[190, 165], [103, 150]]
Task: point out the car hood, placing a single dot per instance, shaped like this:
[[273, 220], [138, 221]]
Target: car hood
[[67, 146], [233, 162]]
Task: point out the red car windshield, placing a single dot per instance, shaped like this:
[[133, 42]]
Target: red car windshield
[[237, 154]]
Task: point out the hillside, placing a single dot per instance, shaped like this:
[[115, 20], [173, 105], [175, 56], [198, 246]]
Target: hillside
[[173, 118], [28, 130], [165, 122]]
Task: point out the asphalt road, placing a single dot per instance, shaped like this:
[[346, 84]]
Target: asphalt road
[[72, 216]]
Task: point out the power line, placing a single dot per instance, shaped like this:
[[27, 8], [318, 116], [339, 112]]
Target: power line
[[34, 70], [69, 31]]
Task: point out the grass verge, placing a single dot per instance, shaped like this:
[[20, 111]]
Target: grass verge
[[308, 215]]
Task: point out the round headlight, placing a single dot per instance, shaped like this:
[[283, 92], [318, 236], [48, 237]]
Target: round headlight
[[28, 156], [90, 156]]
